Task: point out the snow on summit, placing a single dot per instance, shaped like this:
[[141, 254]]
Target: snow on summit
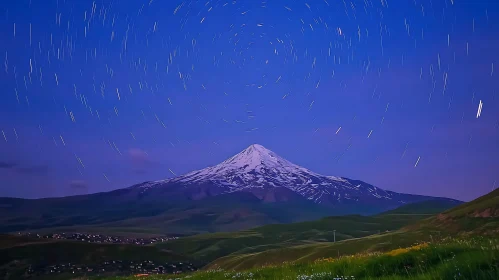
[[254, 161], [253, 157], [256, 157]]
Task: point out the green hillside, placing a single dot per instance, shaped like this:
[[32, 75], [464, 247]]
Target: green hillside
[[232, 212], [484, 206], [429, 207], [310, 252], [208, 247], [461, 220], [477, 217]]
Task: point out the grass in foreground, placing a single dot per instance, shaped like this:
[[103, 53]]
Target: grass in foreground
[[311, 252], [449, 259]]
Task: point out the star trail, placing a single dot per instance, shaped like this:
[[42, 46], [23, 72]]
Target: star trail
[[401, 94]]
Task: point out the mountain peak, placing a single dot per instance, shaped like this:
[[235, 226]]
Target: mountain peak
[[257, 148], [260, 171], [255, 157]]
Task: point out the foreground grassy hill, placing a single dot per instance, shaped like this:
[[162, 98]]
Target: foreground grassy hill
[[463, 220], [450, 259]]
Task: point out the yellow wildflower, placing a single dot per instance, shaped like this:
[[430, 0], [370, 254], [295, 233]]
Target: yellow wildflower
[[405, 250]]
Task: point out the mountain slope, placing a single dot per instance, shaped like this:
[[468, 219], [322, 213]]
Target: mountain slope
[[477, 217], [429, 207], [230, 212], [484, 206]]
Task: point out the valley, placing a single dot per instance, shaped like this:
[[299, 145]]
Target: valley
[[217, 227], [277, 246]]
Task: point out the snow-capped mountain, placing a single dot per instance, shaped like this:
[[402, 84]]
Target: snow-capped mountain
[[253, 188], [259, 171]]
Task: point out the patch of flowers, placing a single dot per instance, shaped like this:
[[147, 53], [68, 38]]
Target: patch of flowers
[[240, 275], [323, 276], [405, 250], [186, 277], [349, 257]]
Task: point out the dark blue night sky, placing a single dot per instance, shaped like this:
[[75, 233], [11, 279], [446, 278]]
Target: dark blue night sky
[[100, 95]]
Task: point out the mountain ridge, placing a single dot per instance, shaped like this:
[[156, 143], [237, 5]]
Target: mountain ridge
[[256, 167], [256, 186]]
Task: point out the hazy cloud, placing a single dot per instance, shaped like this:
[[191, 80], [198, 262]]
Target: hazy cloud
[[78, 184], [33, 170], [141, 161], [24, 169], [138, 155], [7, 165]]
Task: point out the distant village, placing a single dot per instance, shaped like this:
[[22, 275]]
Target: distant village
[[112, 267], [99, 238]]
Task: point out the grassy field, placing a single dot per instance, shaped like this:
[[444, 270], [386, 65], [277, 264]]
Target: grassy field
[[447, 259], [209, 247], [311, 252]]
